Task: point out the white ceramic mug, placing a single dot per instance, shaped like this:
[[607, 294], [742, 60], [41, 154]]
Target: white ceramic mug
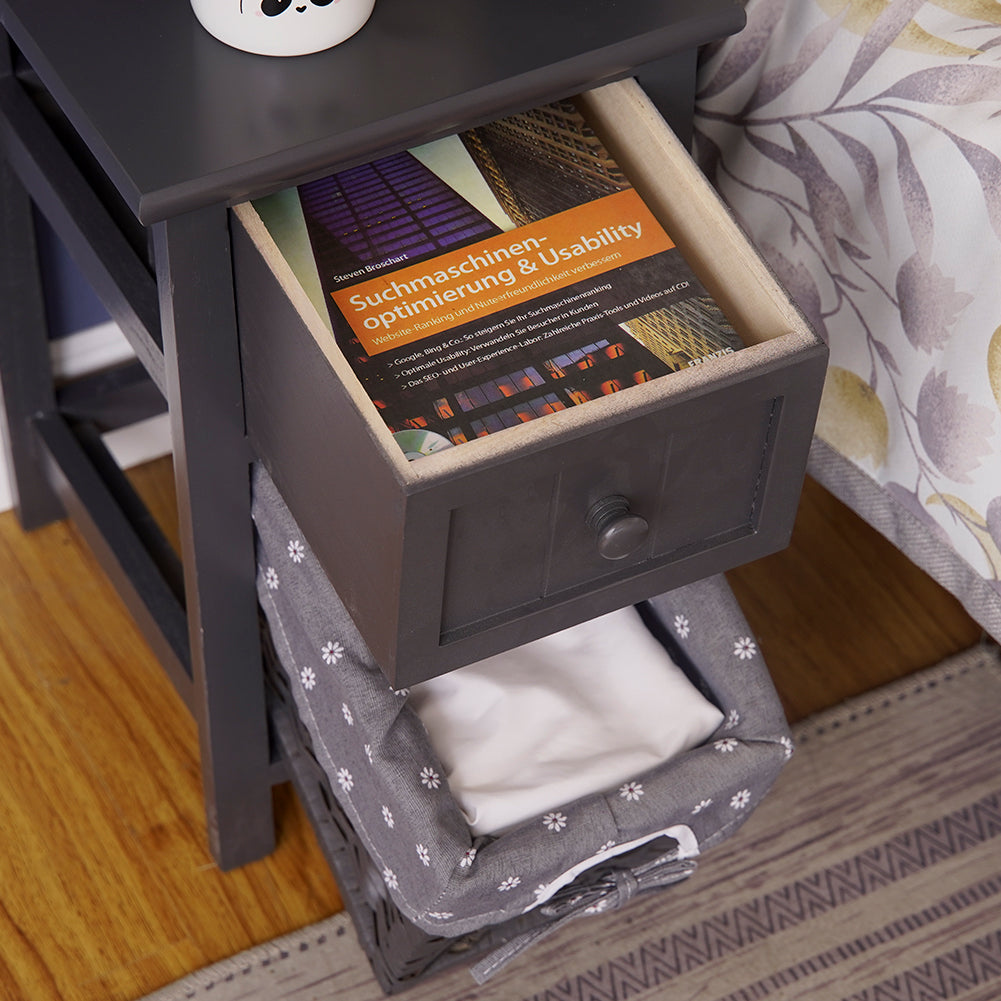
[[282, 27]]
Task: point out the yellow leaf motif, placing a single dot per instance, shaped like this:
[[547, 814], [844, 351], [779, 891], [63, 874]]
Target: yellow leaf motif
[[852, 419], [994, 365], [977, 525], [973, 10], [860, 14]]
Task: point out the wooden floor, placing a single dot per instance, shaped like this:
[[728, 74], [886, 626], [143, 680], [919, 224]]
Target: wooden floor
[[107, 888]]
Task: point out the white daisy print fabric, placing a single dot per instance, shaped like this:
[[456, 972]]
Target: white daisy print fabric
[[394, 789]]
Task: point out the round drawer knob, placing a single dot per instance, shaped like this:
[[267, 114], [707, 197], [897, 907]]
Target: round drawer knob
[[619, 532]]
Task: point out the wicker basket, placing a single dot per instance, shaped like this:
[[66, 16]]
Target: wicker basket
[[353, 746], [400, 953]]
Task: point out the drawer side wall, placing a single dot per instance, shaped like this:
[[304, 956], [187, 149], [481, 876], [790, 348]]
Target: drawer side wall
[[304, 427]]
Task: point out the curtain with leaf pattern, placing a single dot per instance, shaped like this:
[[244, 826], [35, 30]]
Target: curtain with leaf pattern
[[859, 144]]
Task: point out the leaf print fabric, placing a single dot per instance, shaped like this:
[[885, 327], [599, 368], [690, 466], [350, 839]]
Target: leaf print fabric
[[859, 145]]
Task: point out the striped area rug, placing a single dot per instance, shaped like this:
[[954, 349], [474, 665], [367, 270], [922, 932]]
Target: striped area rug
[[871, 873]]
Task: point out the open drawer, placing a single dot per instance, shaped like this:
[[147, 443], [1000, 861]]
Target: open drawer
[[482, 547]]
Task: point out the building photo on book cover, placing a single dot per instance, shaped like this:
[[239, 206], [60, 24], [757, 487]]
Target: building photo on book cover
[[500, 275]]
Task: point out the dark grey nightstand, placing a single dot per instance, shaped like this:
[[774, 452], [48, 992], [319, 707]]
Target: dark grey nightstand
[[134, 131]]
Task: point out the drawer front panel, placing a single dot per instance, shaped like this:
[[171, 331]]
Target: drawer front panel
[[715, 476], [630, 464], [497, 552], [534, 529], [692, 486]]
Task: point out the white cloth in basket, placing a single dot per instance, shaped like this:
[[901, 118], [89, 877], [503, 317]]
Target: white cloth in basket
[[571, 714]]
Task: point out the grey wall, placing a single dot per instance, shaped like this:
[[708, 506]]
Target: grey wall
[[69, 301]]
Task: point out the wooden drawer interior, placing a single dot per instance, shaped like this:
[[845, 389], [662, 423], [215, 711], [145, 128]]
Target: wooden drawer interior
[[484, 546]]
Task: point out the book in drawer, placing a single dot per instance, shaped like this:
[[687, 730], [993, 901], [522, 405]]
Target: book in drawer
[[497, 541]]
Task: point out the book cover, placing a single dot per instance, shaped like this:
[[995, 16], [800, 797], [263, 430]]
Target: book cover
[[497, 276]]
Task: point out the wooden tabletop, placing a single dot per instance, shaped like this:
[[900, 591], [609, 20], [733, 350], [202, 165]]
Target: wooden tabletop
[[179, 121]]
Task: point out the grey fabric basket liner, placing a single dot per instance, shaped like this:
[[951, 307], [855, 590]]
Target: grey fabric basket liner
[[390, 784]]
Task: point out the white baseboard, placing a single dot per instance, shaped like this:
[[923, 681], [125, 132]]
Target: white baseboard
[[88, 351], [6, 498]]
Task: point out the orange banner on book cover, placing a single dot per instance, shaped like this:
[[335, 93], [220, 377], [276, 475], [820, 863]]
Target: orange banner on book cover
[[504, 271]]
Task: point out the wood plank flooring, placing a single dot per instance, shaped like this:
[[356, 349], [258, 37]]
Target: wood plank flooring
[[108, 891]]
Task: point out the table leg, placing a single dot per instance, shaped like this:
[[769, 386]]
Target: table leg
[[25, 371], [212, 473], [670, 84]]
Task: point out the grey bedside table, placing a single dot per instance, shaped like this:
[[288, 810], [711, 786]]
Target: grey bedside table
[[133, 131]]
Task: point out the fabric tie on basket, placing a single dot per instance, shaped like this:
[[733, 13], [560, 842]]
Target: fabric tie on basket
[[610, 888]]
